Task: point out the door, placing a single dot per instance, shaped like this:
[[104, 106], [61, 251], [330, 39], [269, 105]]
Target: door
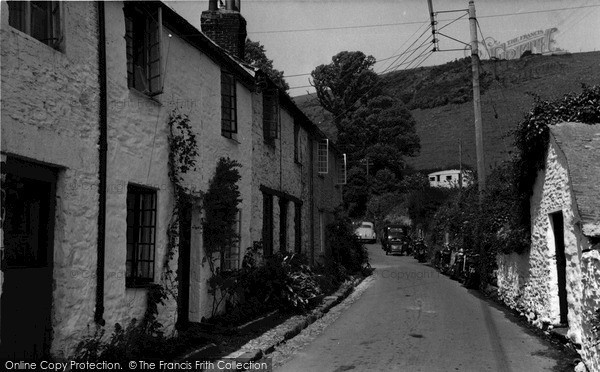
[[26, 301], [185, 234], [561, 264]]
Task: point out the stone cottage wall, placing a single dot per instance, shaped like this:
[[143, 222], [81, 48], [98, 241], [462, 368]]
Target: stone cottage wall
[[529, 281], [590, 281], [328, 196], [50, 114], [138, 154], [274, 167]]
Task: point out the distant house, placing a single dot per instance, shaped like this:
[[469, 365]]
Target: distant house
[[449, 178], [557, 282]]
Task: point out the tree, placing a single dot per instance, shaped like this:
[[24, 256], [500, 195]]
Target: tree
[[371, 127], [256, 55], [356, 192], [382, 130], [346, 80]]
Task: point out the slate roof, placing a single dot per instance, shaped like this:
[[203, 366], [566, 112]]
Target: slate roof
[[581, 145]]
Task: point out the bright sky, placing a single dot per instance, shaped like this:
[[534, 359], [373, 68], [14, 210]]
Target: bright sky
[[298, 34]]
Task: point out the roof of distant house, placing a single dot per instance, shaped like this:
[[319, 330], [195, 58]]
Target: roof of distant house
[[581, 145], [449, 171]]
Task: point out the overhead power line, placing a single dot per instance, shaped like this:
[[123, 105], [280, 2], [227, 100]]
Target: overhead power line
[[415, 22], [335, 28]]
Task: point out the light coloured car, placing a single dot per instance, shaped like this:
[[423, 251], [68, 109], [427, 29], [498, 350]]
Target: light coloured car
[[366, 232]]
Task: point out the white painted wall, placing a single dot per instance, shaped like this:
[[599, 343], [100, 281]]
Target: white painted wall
[[138, 153], [50, 115]]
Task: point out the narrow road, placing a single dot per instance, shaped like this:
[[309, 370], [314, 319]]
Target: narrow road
[[411, 318]]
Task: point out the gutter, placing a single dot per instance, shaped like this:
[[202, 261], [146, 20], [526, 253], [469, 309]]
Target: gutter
[[102, 171]]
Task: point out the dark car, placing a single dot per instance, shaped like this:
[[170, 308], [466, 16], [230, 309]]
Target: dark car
[[394, 239]]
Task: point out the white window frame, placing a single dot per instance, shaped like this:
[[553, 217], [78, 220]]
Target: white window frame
[[323, 156]]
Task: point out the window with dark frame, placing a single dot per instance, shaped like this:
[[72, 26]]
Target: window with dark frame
[[270, 114], [39, 19], [143, 35], [228, 105], [141, 235], [230, 259]]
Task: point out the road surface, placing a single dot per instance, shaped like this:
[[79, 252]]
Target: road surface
[[411, 318]]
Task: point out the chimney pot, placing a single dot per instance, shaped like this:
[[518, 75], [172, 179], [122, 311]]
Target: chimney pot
[[230, 5], [212, 5]]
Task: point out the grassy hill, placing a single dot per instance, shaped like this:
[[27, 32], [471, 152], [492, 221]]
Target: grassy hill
[[440, 99]]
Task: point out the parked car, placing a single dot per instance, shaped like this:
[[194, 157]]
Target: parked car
[[366, 232], [395, 239]]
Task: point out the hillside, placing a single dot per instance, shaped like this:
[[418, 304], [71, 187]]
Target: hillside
[[440, 99]]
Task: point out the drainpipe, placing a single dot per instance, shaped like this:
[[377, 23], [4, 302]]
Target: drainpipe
[[102, 171]]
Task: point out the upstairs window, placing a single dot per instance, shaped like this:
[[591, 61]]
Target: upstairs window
[[39, 19], [228, 105], [141, 235], [270, 114], [143, 35], [323, 156]]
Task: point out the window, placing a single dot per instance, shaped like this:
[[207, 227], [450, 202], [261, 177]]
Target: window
[[230, 259], [296, 142], [323, 156], [437, 178], [228, 105], [40, 19], [432, 178], [270, 114], [141, 233], [448, 178], [143, 35], [267, 231]]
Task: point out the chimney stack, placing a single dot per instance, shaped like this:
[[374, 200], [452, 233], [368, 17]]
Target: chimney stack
[[226, 27]]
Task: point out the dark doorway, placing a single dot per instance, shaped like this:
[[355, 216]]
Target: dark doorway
[[185, 234], [267, 228], [561, 263], [29, 205], [283, 211]]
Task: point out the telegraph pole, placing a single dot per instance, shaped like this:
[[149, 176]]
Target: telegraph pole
[[477, 99], [460, 175]]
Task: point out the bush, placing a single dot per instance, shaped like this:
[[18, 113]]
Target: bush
[[345, 248], [280, 281]]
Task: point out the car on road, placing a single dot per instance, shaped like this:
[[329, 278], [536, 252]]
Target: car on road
[[366, 232], [395, 239]]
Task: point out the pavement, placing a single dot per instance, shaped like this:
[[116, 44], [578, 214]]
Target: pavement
[[257, 348]]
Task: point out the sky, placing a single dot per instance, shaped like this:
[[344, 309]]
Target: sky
[[302, 34]]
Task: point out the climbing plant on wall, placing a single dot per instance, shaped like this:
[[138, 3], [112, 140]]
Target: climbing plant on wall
[[219, 225], [532, 136], [183, 152]]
